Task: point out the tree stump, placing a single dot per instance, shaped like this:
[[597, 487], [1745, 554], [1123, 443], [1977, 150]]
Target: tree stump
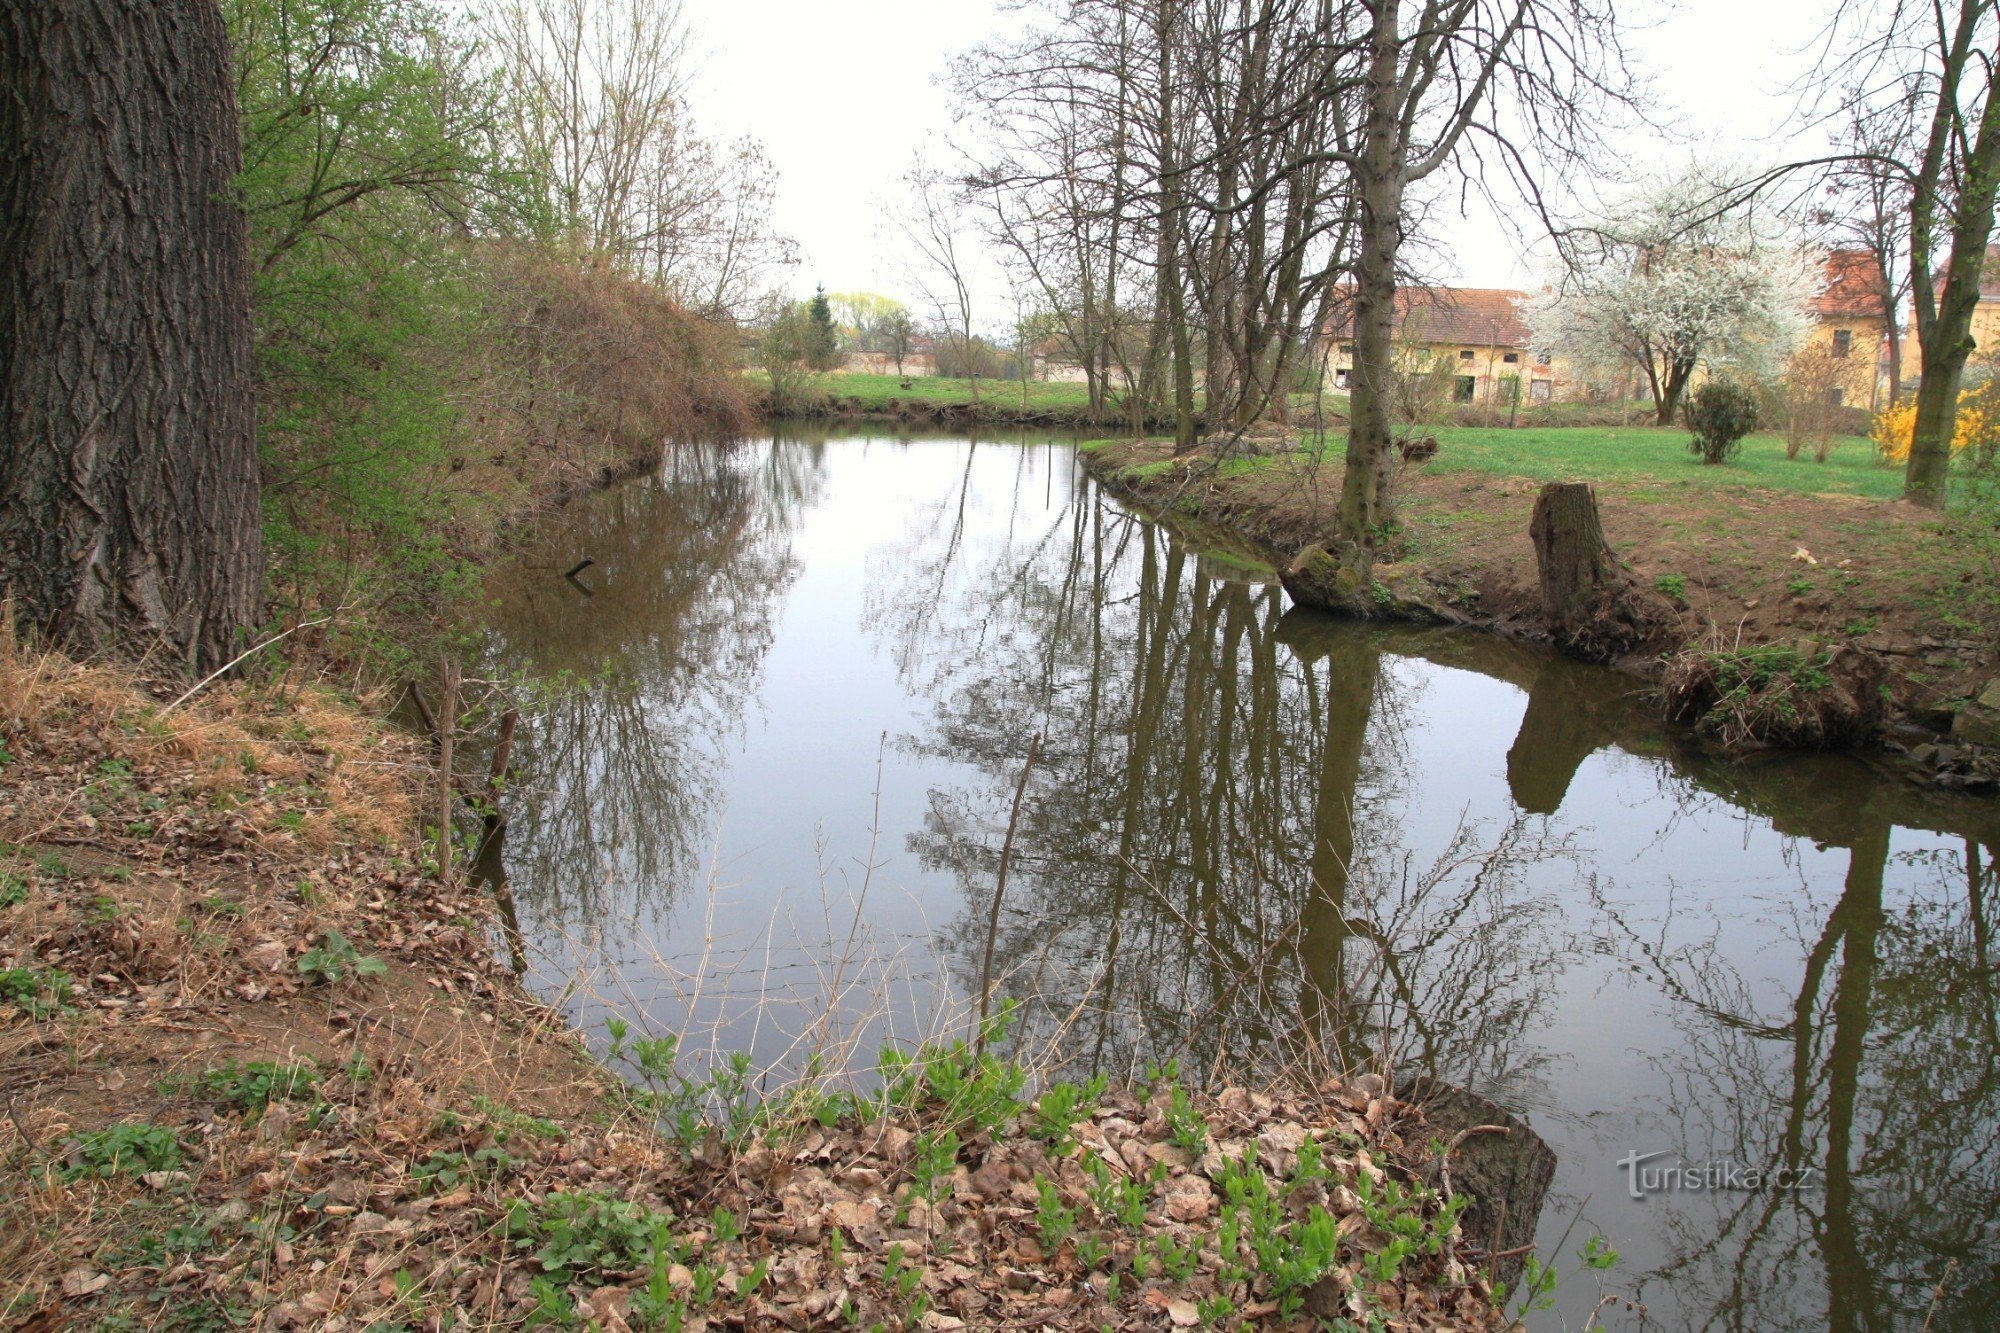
[[1594, 609]]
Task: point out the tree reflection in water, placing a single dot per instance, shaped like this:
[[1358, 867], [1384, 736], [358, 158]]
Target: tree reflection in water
[[1877, 1075], [1209, 866], [644, 684]]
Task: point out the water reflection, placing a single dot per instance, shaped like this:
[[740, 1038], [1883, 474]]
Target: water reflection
[[1254, 836]]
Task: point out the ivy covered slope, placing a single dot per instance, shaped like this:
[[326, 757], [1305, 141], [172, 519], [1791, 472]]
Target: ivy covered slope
[[261, 1066]]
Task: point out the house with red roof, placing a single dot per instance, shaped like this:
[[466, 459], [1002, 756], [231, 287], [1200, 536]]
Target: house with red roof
[[1851, 319], [1478, 336]]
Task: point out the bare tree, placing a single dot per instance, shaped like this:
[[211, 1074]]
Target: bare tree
[[597, 114], [1451, 79], [941, 257], [1870, 209]]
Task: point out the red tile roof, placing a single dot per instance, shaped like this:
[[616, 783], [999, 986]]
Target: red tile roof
[[1472, 316], [1854, 287]]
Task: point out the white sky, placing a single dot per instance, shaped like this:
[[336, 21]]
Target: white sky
[[844, 94]]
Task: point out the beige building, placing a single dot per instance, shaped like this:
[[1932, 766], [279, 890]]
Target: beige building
[[1986, 315], [1851, 321], [1476, 336]]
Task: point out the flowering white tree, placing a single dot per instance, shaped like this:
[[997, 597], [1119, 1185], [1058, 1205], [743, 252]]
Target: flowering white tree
[[1672, 283]]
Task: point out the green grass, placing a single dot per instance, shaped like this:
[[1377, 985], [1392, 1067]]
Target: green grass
[[1617, 454], [880, 393], [1642, 454], [877, 393]]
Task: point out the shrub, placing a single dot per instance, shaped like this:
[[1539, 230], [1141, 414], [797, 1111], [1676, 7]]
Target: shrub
[[1977, 427], [1720, 413]]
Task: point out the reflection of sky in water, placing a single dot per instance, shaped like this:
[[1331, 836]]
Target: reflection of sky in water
[[1629, 976]]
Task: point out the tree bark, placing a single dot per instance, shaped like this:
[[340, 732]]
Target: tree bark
[[1592, 607], [1364, 494], [128, 462], [1944, 332]]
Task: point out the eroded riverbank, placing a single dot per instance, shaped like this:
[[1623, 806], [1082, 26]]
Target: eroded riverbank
[[1732, 568]]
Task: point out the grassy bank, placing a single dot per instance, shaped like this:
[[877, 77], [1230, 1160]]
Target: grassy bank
[[1761, 551], [947, 400], [261, 1067]]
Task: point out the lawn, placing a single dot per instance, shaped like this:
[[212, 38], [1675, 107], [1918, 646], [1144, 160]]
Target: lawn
[[1638, 453], [878, 392]]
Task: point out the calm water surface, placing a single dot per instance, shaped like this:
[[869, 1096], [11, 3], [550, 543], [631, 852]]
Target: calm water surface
[[789, 705]]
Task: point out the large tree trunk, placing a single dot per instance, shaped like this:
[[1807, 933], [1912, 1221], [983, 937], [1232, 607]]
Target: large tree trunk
[[1364, 493], [1947, 340], [128, 461]]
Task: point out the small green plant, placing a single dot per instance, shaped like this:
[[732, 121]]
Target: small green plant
[[553, 1306], [443, 1172], [13, 889], [933, 1156], [1539, 1280], [254, 1086], [726, 1226], [1061, 1106], [971, 1088], [1673, 585], [1798, 585], [129, 1148], [1122, 1198], [1189, 1130], [1214, 1309], [1092, 1252], [38, 992], [657, 1305], [907, 1282], [585, 1235], [335, 960], [1175, 1259], [1057, 1222]]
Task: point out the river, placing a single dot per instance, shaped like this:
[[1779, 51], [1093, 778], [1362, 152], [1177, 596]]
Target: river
[[787, 708]]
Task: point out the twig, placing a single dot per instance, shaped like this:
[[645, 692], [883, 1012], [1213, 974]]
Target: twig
[[251, 651], [1937, 1296], [448, 725], [1000, 891]]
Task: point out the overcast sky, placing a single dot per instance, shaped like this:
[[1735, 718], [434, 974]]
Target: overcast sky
[[844, 94]]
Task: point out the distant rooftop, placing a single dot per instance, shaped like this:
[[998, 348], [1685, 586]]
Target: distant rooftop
[[1473, 316]]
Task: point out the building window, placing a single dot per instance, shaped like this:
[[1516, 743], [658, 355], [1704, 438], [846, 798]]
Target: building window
[[1347, 349], [1341, 377], [1462, 388], [1843, 342], [1467, 354], [1544, 357], [1512, 358], [1834, 397], [1539, 391]]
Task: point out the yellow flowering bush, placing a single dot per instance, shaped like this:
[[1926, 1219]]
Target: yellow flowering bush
[[1977, 427]]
